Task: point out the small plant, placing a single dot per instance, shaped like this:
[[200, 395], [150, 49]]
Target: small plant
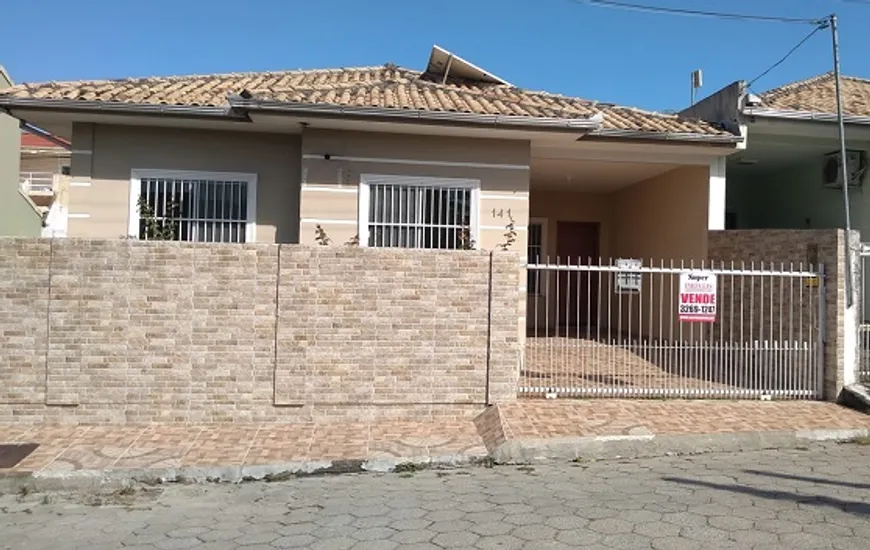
[[353, 241], [163, 229], [510, 234], [863, 440], [321, 237], [47, 499], [464, 239]]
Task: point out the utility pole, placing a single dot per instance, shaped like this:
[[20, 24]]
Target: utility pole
[[843, 161]]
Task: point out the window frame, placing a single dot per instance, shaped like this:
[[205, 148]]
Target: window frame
[[367, 180], [137, 174], [543, 222]]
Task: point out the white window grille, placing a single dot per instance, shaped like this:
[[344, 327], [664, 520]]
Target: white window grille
[[193, 206], [413, 212], [535, 255]]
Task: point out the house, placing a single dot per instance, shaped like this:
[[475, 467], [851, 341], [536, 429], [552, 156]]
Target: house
[[44, 178], [391, 156], [787, 176], [448, 157], [19, 216]]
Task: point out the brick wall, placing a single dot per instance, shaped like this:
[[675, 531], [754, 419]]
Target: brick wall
[[127, 331], [791, 248]]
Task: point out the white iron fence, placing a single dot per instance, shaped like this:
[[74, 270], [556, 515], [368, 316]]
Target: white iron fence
[[628, 329], [36, 182]]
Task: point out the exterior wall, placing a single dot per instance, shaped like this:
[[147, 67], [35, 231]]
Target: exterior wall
[[180, 332], [18, 217], [570, 206], [795, 198], [40, 163], [794, 246], [104, 156], [663, 218], [329, 190]]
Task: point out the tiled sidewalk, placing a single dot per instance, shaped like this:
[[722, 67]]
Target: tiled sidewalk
[[135, 447], [553, 419], [120, 447]]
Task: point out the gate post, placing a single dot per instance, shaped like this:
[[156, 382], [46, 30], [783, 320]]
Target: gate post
[[822, 336]]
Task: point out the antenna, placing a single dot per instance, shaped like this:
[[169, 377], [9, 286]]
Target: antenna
[[697, 82]]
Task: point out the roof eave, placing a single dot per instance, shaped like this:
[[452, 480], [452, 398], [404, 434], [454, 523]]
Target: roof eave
[[420, 116], [814, 116], [717, 139], [189, 111]]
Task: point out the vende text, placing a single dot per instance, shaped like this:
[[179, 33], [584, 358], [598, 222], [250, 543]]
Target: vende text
[[698, 298]]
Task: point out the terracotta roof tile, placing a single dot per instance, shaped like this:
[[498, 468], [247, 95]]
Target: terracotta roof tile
[[386, 86], [818, 94]]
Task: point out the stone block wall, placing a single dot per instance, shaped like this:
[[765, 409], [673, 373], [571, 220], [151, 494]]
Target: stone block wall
[[789, 248], [129, 331]]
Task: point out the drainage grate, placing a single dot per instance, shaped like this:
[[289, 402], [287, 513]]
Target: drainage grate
[[11, 455]]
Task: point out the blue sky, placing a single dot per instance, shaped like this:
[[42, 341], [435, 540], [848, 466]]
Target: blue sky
[[624, 57]]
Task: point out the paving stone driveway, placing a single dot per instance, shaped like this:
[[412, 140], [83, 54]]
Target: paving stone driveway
[[815, 498]]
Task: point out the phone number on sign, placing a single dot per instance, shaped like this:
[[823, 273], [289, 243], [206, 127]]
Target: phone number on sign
[[694, 309]]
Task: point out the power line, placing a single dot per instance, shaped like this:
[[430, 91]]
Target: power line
[[616, 4], [821, 26]]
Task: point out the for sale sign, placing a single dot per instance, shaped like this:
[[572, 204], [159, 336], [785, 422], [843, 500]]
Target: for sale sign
[[697, 297]]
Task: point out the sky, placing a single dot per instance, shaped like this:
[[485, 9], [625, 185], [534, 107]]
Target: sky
[[561, 46]]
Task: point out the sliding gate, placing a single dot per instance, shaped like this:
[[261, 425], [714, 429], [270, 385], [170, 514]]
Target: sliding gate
[[631, 329]]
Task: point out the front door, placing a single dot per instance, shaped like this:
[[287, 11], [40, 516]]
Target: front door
[[577, 243]]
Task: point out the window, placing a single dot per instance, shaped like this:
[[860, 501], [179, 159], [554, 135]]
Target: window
[[192, 206], [413, 212], [535, 255]]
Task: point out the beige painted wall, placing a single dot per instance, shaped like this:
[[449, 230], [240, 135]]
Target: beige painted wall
[[329, 191], [116, 150], [569, 206], [661, 219], [664, 217]]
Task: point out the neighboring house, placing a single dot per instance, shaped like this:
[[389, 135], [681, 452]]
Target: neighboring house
[[447, 157], [19, 216], [788, 176], [44, 178]]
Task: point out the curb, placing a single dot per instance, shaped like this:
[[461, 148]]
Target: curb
[[528, 451], [83, 480]]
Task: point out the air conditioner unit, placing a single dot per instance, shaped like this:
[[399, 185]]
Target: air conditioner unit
[[856, 164]]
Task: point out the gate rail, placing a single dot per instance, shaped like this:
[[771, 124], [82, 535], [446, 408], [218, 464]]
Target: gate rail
[[614, 330]]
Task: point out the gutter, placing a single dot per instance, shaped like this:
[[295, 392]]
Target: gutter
[[223, 113], [504, 121], [668, 136], [813, 116]]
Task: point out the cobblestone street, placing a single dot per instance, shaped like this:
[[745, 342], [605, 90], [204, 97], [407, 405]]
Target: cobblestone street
[[813, 498]]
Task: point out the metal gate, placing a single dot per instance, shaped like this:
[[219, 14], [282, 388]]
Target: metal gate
[[864, 325], [631, 329]]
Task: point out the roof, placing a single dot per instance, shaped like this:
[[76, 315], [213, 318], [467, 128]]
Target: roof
[[385, 87], [818, 94], [34, 141]]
